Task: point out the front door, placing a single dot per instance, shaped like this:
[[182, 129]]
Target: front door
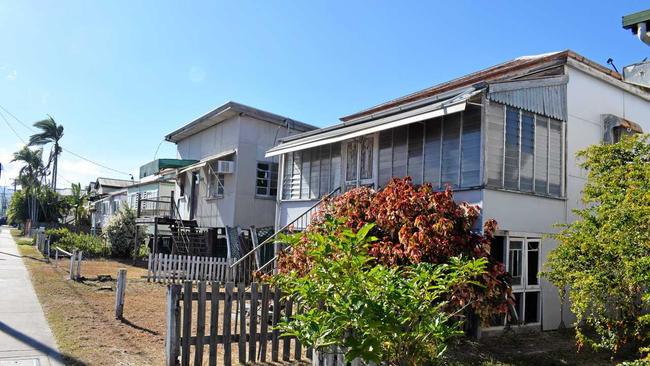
[[523, 263], [359, 166]]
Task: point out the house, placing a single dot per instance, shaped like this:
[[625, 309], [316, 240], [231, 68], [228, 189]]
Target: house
[[105, 197], [231, 183], [504, 138]]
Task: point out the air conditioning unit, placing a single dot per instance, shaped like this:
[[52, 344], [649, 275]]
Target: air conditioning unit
[[225, 167]]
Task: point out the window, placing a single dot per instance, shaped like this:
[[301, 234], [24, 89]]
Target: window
[[522, 260], [359, 162], [524, 151], [215, 184], [267, 179], [181, 185], [312, 173], [444, 150]]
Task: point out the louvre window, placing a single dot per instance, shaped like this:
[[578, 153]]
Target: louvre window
[[524, 151], [440, 151], [312, 173]]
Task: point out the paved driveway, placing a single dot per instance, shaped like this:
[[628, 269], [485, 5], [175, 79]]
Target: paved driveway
[[25, 336]]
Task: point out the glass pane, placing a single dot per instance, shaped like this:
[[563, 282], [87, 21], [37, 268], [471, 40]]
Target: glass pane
[[314, 181], [533, 263], [399, 152], [296, 177], [415, 142], [471, 147], [385, 157], [451, 150], [433, 130], [497, 249], [306, 171], [555, 159], [325, 165], [366, 157], [541, 155], [495, 123], [531, 313], [351, 161], [527, 147], [511, 180], [335, 173], [514, 261], [516, 317]]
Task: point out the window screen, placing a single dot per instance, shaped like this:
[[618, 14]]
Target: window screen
[[451, 150], [415, 142], [527, 151], [511, 176]]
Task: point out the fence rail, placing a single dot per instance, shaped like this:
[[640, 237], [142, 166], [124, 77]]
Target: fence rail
[[173, 268]]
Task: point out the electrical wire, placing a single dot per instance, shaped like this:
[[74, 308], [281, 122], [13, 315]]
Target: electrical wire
[[70, 152], [11, 128]]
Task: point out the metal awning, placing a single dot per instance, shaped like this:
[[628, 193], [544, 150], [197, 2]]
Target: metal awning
[[206, 160], [452, 105]]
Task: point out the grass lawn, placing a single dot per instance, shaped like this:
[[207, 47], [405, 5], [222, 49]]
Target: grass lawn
[[19, 238], [81, 315], [82, 318]]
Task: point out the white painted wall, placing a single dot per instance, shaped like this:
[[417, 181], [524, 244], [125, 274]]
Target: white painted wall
[[239, 205]]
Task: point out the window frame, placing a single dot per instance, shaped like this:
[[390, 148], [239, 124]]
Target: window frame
[[220, 179], [562, 153], [270, 187], [524, 287]]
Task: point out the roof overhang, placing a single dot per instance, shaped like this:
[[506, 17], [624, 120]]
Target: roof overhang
[[345, 132], [203, 162]]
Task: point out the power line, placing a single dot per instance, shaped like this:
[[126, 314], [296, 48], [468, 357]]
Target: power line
[[11, 128], [94, 162], [33, 130], [17, 119]]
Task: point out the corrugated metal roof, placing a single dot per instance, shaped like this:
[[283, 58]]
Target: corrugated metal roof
[[545, 96], [451, 105]]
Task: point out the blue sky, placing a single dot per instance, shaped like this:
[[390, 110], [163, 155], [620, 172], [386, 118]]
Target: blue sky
[[119, 75]]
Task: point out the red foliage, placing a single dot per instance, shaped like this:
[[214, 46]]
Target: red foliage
[[417, 224]]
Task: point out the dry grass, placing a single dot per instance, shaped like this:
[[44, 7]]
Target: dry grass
[[81, 314]]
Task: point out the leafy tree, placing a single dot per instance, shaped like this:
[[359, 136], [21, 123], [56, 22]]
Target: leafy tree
[[120, 232], [416, 224], [52, 205], [385, 314], [17, 212], [603, 257], [51, 132]]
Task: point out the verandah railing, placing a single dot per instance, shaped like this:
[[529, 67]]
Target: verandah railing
[[262, 257]]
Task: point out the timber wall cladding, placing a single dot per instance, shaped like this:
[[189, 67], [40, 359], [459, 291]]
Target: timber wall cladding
[[212, 325]]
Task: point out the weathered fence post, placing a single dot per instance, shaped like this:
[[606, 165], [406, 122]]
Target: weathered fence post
[[78, 274], [73, 257], [119, 295], [172, 335], [56, 257]]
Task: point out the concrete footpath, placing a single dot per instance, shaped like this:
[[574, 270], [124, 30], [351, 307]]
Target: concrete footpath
[[25, 336]]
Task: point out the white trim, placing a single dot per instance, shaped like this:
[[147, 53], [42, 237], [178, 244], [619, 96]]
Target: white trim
[[441, 111]]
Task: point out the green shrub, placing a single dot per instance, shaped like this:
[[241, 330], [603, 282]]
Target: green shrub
[[385, 314], [120, 233], [92, 246]]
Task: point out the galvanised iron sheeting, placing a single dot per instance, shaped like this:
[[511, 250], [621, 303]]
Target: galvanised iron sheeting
[[542, 96]]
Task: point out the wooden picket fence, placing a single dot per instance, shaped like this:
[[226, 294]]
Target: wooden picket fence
[[172, 268], [228, 317]]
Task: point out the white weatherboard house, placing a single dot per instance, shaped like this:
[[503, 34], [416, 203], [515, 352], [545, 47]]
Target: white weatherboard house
[[233, 183], [504, 138]]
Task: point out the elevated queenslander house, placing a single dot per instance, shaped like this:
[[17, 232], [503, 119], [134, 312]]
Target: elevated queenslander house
[[231, 182], [503, 138]]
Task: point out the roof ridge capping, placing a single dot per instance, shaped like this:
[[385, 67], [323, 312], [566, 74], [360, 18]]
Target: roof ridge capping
[[493, 73], [232, 106]]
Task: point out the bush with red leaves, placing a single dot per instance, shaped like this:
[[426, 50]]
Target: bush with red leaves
[[416, 224]]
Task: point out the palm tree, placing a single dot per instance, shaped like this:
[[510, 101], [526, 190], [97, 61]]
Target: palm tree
[[77, 202], [30, 175], [51, 132]]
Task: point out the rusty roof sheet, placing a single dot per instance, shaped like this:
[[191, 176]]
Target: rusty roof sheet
[[504, 71]]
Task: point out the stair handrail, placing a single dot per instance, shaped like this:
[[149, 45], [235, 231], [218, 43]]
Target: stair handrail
[[275, 234]]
